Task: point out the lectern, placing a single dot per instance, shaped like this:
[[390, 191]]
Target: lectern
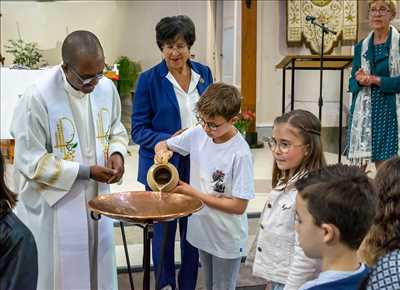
[[312, 62]]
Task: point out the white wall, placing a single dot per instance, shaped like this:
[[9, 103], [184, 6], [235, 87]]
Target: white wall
[[123, 27]]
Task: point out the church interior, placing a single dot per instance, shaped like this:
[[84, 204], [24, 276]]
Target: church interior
[[282, 55]]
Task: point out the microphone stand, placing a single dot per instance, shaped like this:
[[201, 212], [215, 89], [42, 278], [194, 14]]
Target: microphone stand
[[324, 30]]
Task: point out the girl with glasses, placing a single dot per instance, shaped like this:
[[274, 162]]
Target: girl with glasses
[[296, 148]]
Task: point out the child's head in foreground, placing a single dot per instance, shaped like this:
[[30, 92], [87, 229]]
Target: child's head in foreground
[[335, 208], [384, 235]]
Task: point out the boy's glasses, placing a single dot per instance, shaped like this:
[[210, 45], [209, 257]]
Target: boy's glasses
[[87, 80], [381, 11], [283, 146], [210, 125]]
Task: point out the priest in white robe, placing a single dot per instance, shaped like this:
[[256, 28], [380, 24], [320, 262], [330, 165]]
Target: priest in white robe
[[69, 146]]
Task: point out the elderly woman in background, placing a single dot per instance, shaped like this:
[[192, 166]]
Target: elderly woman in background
[[164, 103], [18, 252], [375, 86]]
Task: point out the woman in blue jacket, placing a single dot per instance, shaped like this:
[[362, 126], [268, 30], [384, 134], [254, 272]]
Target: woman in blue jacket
[[375, 86], [164, 103]]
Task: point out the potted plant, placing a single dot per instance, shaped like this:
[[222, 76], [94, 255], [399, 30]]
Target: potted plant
[[26, 54], [128, 73], [245, 119]]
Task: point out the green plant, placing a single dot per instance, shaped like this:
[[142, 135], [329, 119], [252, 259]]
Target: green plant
[[128, 74], [25, 53], [245, 119]]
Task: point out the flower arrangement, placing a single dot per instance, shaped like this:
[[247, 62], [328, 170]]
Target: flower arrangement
[[124, 73], [25, 54], [245, 119], [112, 73]]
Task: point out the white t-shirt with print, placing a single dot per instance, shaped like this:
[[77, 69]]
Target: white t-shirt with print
[[220, 169]]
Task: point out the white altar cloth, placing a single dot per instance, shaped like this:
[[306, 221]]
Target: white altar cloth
[[13, 84]]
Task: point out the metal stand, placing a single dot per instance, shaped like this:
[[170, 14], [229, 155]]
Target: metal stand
[[147, 236], [324, 30], [128, 263], [169, 207], [321, 70]]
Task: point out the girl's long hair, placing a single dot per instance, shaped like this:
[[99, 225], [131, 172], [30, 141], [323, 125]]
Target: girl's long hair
[[309, 130], [7, 197], [384, 235]]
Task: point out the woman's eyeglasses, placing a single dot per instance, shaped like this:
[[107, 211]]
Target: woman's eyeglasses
[[283, 146], [85, 81], [381, 11], [179, 47]]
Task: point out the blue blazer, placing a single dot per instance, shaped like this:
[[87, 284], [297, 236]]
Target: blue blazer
[[156, 115]]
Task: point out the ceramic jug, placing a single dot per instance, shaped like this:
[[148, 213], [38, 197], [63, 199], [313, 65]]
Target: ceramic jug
[[162, 177]]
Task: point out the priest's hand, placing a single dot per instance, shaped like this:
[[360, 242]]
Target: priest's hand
[[116, 162], [101, 173]]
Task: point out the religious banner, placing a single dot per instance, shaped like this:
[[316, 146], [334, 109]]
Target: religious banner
[[338, 15]]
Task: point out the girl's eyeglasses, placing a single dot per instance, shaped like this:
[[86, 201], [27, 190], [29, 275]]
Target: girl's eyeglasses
[[283, 146]]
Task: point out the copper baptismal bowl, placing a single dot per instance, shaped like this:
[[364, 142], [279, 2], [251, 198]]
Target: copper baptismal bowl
[[144, 206]]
